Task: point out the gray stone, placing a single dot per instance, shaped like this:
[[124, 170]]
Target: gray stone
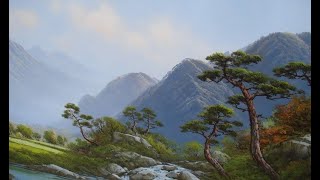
[[142, 174], [133, 160], [186, 175], [113, 177], [220, 156], [169, 168], [54, 169], [115, 169], [120, 137], [172, 174]]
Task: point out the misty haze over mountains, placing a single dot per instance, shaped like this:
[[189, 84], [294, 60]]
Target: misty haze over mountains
[[41, 83]]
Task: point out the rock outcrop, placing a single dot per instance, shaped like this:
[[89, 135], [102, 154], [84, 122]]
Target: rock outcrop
[[133, 160], [121, 137], [54, 169]]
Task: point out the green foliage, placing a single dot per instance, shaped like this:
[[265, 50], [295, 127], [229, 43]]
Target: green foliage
[[25, 131], [213, 122], [103, 129], [73, 161], [160, 144], [148, 118], [79, 145], [295, 70], [19, 135], [233, 69], [50, 137], [297, 170], [12, 129], [72, 112], [133, 117], [61, 140], [242, 167], [193, 150], [36, 136]]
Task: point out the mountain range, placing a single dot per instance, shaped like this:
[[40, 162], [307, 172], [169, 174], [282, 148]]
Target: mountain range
[[116, 95], [39, 87]]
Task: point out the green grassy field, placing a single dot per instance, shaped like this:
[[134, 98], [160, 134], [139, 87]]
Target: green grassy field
[[34, 145], [31, 152]]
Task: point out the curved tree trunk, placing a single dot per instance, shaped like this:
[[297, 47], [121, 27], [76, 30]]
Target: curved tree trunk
[[255, 139], [91, 142], [148, 127], [212, 161]]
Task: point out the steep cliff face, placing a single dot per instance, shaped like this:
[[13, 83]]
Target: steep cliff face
[[180, 96]]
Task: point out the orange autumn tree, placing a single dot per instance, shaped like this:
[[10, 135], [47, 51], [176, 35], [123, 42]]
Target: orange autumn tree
[[296, 114], [274, 135], [292, 119]]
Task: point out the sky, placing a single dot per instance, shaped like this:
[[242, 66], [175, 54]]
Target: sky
[[121, 36]]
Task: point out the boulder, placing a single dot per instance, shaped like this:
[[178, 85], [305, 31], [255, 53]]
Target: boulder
[[220, 156], [172, 174], [113, 177], [288, 151], [121, 137], [198, 165], [142, 174], [115, 169], [54, 169], [133, 160], [186, 175], [169, 168]]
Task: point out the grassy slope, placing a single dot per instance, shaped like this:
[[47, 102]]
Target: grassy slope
[[35, 153], [37, 145]]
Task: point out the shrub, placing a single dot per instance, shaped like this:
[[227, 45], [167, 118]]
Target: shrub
[[25, 131]]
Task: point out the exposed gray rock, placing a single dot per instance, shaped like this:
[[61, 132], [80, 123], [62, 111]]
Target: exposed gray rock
[[198, 165], [142, 174], [172, 174], [115, 169], [299, 149], [113, 177], [133, 160], [186, 175], [220, 156], [169, 168], [54, 169], [121, 137]]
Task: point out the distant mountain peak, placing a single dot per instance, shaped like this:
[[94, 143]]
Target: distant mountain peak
[[116, 95]]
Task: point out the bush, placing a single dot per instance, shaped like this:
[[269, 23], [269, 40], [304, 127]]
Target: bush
[[36, 136], [61, 140], [103, 129], [160, 144], [25, 131], [297, 170], [12, 129], [193, 150], [50, 137]]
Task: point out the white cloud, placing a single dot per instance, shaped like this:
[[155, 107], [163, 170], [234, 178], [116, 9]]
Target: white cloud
[[21, 19], [160, 40]]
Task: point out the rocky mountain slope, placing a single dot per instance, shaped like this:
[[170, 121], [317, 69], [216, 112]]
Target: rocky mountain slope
[[180, 96]]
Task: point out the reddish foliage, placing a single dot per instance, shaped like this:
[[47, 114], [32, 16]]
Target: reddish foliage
[[296, 114]]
